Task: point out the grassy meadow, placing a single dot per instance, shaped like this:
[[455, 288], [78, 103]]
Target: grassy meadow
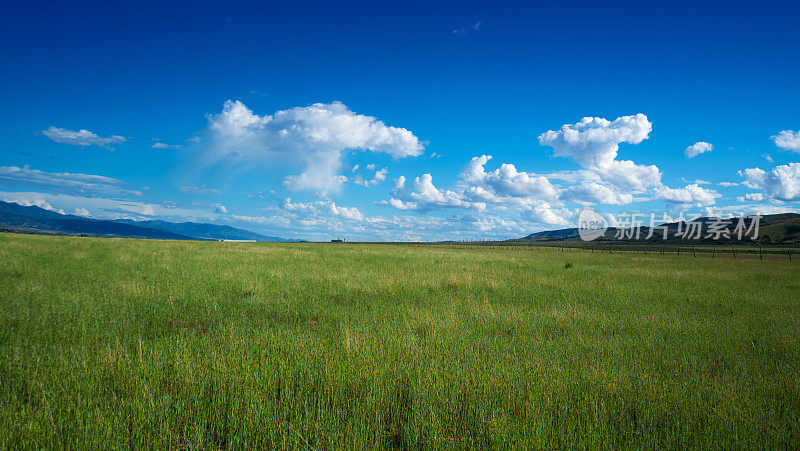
[[110, 343]]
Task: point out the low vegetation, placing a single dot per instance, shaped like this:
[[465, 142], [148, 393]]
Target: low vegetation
[[115, 342]]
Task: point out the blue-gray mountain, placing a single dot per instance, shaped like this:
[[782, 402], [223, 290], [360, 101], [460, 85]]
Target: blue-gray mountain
[[204, 231], [32, 219]]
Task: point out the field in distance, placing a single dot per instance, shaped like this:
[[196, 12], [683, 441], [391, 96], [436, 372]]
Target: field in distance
[[110, 343]]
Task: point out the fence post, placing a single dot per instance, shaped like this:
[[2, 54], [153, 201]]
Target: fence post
[[693, 254], [760, 254]]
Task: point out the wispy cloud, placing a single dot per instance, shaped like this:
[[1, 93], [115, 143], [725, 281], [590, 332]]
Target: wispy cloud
[[199, 190], [161, 145], [82, 138], [698, 148], [66, 182], [106, 208], [462, 31]]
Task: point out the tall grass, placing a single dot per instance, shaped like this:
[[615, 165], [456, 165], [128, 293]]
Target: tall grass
[[113, 343]]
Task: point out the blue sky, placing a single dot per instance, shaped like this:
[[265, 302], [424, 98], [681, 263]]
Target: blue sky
[[256, 114]]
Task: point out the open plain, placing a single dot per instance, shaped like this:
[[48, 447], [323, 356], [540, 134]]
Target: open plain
[[112, 343]]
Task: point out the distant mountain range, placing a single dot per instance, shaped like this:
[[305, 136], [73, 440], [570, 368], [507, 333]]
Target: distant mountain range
[[18, 218], [204, 231], [773, 229]]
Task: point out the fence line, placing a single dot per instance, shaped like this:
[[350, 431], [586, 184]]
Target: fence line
[[712, 252]]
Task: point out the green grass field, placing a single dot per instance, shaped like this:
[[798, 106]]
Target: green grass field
[[113, 343]]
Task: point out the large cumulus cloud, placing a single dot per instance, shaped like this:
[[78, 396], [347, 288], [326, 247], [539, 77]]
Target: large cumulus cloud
[[312, 137], [782, 183]]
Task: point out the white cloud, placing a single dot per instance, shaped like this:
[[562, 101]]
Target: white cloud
[[221, 209], [199, 190], [377, 178], [268, 221], [507, 181], [160, 145], [65, 181], [319, 178], [689, 195], [751, 197], [351, 213], [400, 205], [82, 138], [588, 193], [754, 177], [82, 212], [319, 209], [507, 187], [727, 184], [543, 213], [627, 176], [462, 31], [698, 148], [782, 183], [594, 144], [312, 137], [504, 187], [594, 141], [426, 195], [788, 140]]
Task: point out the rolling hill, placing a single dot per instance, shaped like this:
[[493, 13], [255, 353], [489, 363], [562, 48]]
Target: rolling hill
[[781, 228]]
